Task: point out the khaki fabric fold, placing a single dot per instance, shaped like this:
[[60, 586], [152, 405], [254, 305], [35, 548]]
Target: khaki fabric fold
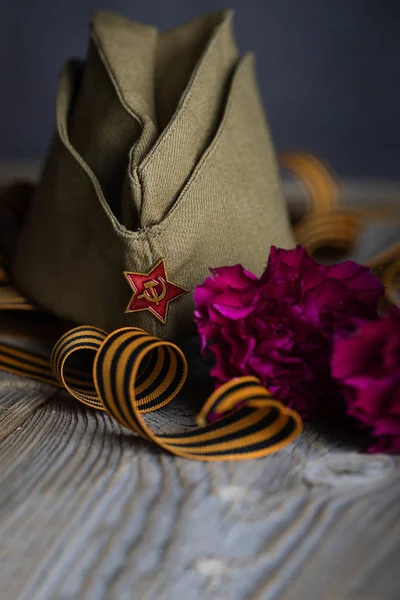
[[172, 160], [145, 167], [113, 121]]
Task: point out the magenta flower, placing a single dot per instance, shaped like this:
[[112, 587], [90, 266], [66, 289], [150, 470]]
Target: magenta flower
[[281, 327], [367, 366]]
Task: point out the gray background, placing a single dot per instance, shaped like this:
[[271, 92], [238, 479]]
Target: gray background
[[328, 70]]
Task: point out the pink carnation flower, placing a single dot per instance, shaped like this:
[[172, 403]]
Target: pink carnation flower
[[281, 327], [367, 365]]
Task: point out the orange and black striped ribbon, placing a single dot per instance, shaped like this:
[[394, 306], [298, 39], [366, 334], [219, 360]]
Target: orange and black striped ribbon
[[326, 222], [386, 266], [133, 373], [317, 178], [12, 300]]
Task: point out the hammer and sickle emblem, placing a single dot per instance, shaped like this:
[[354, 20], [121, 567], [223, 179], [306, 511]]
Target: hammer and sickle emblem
[[150, 293], [153, 291]]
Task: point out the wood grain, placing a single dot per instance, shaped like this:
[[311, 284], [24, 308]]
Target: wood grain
[[90, 511]]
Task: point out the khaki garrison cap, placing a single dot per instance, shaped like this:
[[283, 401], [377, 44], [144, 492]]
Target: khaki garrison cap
[[161, 167]]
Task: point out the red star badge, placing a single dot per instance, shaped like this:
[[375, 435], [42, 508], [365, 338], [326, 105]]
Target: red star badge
[[153, 291]]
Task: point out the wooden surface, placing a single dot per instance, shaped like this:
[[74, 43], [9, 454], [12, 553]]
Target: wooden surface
[[90, 512]]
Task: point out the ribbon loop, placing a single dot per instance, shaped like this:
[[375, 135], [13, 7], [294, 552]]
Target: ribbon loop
[[132, 373], [77, 381]]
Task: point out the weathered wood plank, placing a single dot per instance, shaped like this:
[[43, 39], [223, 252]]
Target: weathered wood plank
[[89, 511]]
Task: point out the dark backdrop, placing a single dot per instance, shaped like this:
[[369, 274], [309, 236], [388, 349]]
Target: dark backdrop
[[328, 70]]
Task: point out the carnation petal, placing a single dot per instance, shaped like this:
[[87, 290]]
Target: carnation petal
[[236, 276], [203, 295], [370, 382], [360, 280], [234, 312]]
